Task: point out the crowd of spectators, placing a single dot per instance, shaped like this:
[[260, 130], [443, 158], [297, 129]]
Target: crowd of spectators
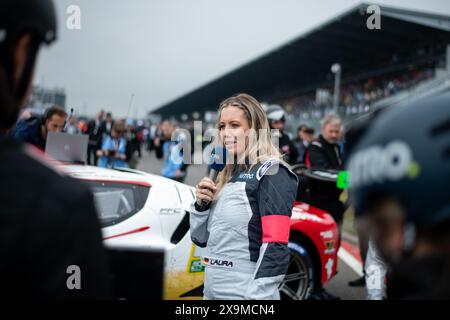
[[356, 97]]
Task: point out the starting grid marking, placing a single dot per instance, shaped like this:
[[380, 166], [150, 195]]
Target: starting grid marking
[[349, 254]]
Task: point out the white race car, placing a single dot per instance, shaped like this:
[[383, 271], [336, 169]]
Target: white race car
[[138, 209]]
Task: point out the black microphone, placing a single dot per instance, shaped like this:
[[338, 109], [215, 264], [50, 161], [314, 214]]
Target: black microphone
[[216, 163]]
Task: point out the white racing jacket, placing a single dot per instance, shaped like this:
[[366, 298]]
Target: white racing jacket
[[246, 231]]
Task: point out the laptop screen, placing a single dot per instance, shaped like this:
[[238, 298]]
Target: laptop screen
[[67, 147]]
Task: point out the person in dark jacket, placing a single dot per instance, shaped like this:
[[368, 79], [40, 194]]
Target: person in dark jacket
[[277, 120], [34, 130], [305, 135], [109, 123], [50, 239], [48, 224], [96, 128], [324, 154], [133, 146], [158, 142]]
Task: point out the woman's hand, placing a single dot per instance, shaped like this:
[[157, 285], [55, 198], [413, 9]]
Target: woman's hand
[[205, 190]]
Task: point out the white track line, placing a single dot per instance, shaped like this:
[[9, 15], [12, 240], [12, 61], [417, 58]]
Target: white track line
[[351, 261]]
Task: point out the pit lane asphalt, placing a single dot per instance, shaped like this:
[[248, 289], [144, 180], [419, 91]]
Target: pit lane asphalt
[[338, 286]]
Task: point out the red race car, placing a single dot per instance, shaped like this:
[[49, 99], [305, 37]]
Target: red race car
[[313, 242], [313, 246]]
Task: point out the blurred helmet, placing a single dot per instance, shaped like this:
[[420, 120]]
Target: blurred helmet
[[17, 17], [275, 113], [20, 16], [405, 153]]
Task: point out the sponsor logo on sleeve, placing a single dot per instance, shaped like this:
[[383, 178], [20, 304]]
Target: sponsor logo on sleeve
[[217, 262], [265, 167], [246, 176]]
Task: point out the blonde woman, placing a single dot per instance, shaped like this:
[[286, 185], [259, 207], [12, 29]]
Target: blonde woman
[[246, 226]]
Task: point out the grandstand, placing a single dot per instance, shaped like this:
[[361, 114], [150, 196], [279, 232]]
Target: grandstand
[[408, 58]]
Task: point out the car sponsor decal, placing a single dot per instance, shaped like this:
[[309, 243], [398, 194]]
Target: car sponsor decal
[[329, 267], [133, 182], [194, 264], [297, 248], [127, 233], [265, 167], [329, 247], [301, 215], [170, 211], [327, 234]]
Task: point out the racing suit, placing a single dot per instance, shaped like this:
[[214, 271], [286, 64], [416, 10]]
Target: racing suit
[[246, 231]]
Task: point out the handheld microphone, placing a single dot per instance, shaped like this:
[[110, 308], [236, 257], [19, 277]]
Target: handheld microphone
[[216, 163]]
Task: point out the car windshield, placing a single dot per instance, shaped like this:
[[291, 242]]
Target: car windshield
[[116, 202]]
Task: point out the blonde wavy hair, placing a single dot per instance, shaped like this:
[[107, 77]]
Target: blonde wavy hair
[[264, 148]]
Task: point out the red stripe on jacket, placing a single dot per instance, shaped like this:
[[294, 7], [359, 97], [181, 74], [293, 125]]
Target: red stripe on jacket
[[275, 228]]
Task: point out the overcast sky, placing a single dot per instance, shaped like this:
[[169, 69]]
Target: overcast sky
[[161, 49]]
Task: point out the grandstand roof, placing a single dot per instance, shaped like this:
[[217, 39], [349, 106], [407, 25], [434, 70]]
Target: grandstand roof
[[304, 63]]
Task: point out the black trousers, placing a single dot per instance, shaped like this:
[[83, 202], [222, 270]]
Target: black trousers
[[92, 158]]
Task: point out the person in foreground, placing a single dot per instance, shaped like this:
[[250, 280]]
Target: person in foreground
[[245, 227], [399, 180], [49, 229]]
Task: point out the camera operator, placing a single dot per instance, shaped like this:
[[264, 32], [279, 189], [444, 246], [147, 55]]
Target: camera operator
[[113, 152]]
